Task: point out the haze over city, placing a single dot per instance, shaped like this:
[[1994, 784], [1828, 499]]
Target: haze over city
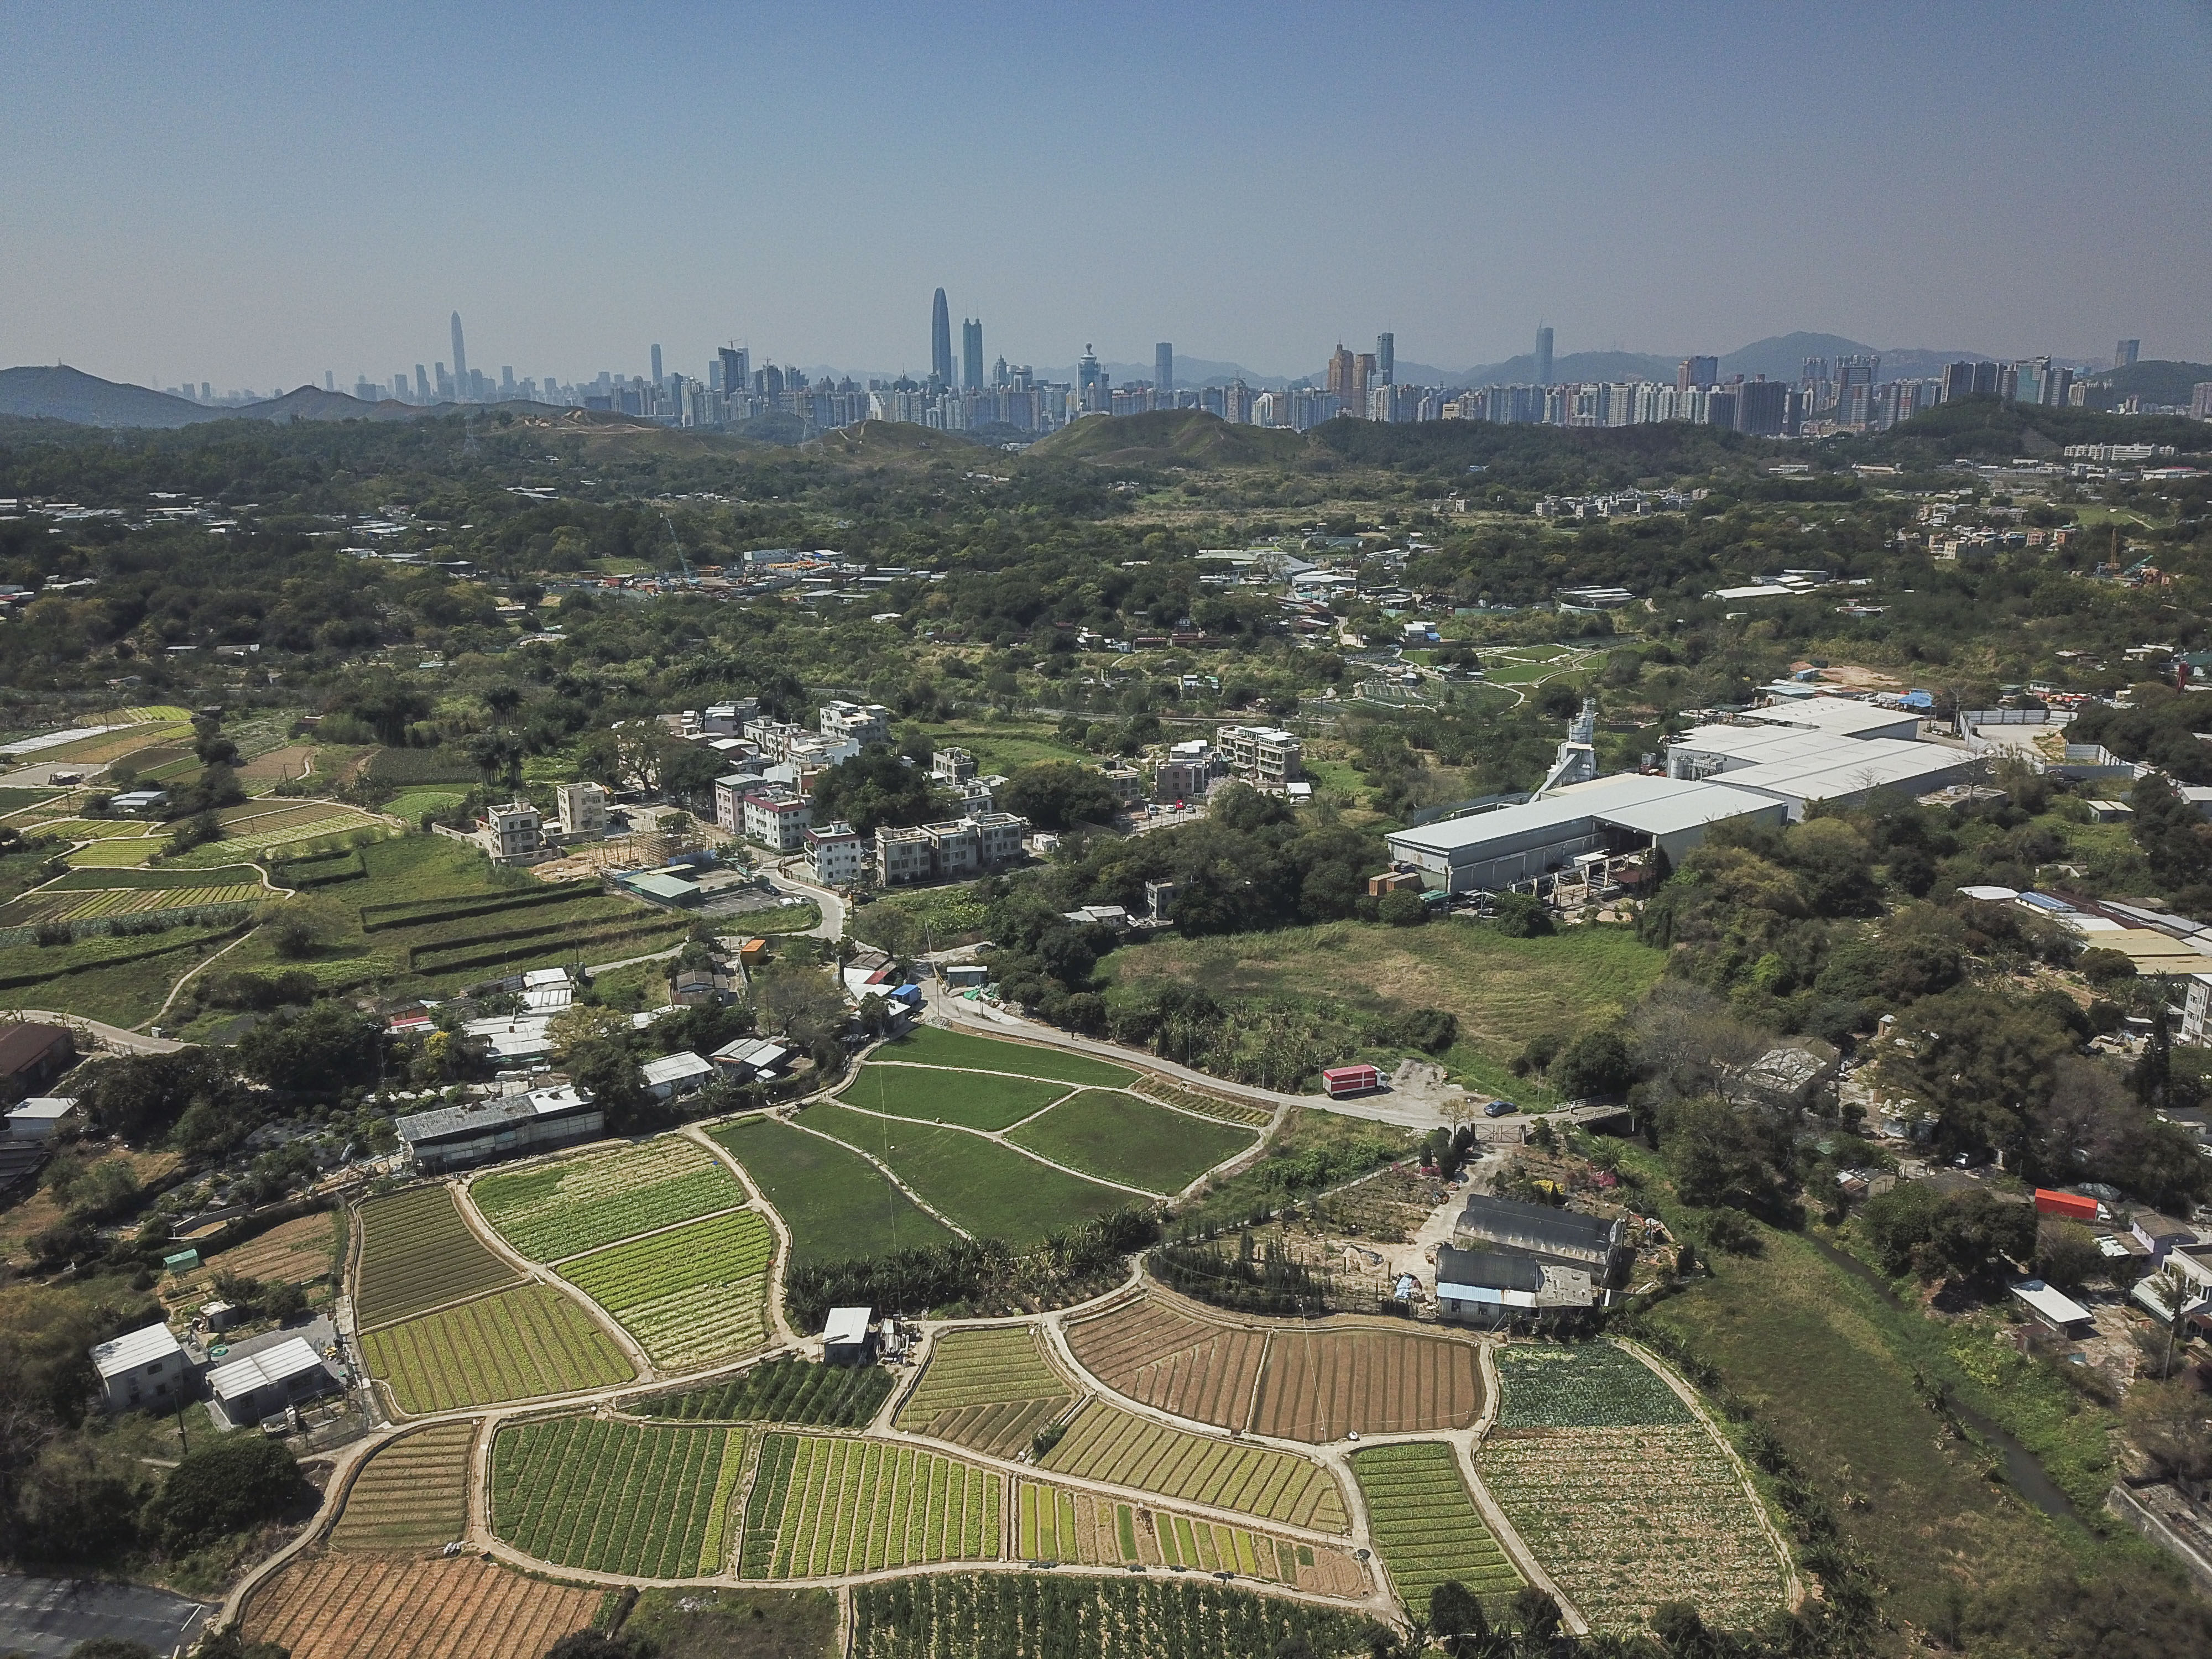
[[254, 198]]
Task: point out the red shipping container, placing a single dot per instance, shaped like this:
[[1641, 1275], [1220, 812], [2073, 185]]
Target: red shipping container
[[1341, 1080], [2072, 1205]]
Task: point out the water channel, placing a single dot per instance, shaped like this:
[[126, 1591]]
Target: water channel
[[2021, 1466]]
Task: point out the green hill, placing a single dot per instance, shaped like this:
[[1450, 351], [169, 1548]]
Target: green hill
[[1171, 437], [1988, 428], [894, 442], [2158, 382]]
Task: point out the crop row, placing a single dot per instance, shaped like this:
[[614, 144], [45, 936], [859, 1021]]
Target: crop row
[[1058, 1523], [989, 1388], [648, 1500], [1627, 1518], [1205, 1105], [417, 1252], [514, 1344], [782, 1390], [690, 1295], [1425, 1525], [345, 1605], [412, 1495], [825, 1504], [82, 905], [1105, 1442], [579, 1204], [1001, 1615], [1594, 1386]]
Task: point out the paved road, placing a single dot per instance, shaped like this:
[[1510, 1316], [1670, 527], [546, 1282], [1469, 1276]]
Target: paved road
[[45, 1617], [832, 925], [113, 1038]]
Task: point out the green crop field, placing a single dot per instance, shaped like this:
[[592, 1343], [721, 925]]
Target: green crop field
[[512, 1345], [988, 1188], [825, 1505], [648, 1500], [1426, 1526], [1121, 1138], [417, 1252], [1596, 1386], [79, 881], [785, 1390], [988, 1388], [690, 1295], [413, 1495], [1086, 1528], [975, 1100], [564, 1208], [1105, 1442], [837, 1205], [1006, 1615], [933, 1045]]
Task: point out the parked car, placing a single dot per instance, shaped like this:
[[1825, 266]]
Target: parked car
[[1499, 1109]]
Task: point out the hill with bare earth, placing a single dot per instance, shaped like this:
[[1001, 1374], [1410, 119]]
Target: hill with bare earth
[[57, 392], [1172, 437], [894, 442]]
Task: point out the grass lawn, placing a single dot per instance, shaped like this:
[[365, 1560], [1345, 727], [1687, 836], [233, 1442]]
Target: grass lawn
[[1503, 991], [416, 802], [934, 1045], [837, 1205], [975, 1100], [1123, 1139], [991, 1190], [1827, 1365], [124, 993], [1005, 746]]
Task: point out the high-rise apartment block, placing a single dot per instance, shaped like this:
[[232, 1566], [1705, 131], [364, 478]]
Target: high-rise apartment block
[[1694, 372], [1543, 356], [1164, 370], [1386, 358], [2126, 354]]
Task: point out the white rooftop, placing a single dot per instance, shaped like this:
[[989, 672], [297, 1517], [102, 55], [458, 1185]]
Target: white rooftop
[[133, 1349], [2054, 1305], [43, 1109], [1869, 764], [1840, 716], [846, 1325], [676, 1068], [289, 1359], [1651, 805], [537, 977]]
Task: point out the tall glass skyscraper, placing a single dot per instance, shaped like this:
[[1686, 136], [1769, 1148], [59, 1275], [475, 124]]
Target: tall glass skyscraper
[[1163, 367], [1543, 356], [971, 353], [940, 341], [1386, 359], [460, 362]]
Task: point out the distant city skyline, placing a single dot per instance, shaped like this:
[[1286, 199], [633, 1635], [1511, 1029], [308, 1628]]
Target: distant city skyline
[[232, 191]]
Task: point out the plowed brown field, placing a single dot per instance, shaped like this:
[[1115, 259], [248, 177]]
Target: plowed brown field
[[394, 1606], [1292, 1381]]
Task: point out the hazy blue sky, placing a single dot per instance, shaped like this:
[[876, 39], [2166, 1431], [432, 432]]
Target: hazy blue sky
[[253, 194]]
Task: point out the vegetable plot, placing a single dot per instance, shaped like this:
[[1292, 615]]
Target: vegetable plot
[[1426, 1526], [518, 1344], [990, 1389], [413, 1495], [1105, 1442], [782, 1390], [579, 1204], [827, 1504], [417, 1252], [1596, 1386], [1057, 1523], [690, 1295], [648, 1500]]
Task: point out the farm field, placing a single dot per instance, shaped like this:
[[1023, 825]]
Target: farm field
[[999, 1615], [1594, 1386], [690, 1295], [395, 1607], [78, 881], [989, 1390], [649, 1500], [1118, 1137], [412, 1495], [1059, 1523], [933, 1045], [989, 1189], [573, 1205], [1205, 1104], [781, 1390], [1312, 1384], [112, 855], [416, 1253], [836, 1203], [79, 904], [1105, 1442], [121, 980], [825, 1505], [512, 1345], [750, 1623], [1426, 1526], [1594, 1436], [290, 1253], [975, 1100]]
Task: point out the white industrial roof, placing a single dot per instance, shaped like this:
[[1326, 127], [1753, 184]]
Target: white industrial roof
[[846, 1325], [289, 1359], [1752, 743], [1869, 764], [674, 1068], [133, 1349], [1631, 799], [1840, 716]]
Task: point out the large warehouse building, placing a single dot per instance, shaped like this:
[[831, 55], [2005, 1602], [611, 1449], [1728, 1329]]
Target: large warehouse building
[[1767, 765]]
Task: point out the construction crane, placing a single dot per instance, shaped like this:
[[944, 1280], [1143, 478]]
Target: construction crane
[[677, 544]]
